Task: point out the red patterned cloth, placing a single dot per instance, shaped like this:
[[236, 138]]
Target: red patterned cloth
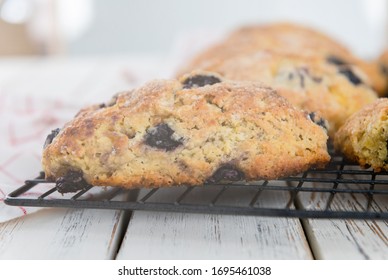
[[25, 123]]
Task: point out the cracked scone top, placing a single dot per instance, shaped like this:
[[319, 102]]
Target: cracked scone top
[[199, 129], [336, 91]]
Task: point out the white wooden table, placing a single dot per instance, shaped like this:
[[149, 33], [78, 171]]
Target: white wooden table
[[109, 234]]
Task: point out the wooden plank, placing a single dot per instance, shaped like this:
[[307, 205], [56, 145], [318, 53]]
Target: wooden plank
[[347, 239], [161, 235], [153, 235], [63, 234]]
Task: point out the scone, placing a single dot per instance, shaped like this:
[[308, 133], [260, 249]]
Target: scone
[[199, 129], [364, 136], [312, 84], [287, 39]]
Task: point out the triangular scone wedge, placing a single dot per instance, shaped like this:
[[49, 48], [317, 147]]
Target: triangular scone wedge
[[195, 130], [364, 136]]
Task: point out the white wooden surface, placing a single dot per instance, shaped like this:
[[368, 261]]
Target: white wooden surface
[[347, 239], [96, 234], [153, 235], [62, 234]]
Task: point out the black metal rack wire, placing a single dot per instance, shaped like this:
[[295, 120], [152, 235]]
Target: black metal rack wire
[[342, 191]]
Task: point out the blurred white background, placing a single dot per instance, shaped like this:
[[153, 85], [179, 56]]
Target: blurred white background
[[94, 27]]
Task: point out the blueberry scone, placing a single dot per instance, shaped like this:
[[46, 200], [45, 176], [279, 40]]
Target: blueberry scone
[[287, 39], [364, 136], [199, 129], [312, 84]]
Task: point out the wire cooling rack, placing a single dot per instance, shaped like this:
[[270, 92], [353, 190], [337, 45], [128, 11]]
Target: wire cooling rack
[[342, 191]]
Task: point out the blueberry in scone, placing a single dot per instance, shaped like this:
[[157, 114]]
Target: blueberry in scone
[[71, 182], [51, 137], [226, 172], [336, 60], [353, 78], [160, 137], [200, 80]]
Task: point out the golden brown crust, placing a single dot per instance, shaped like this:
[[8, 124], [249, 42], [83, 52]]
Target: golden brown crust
[[363, 138], [240, 124], [311, 83], [286, 39]]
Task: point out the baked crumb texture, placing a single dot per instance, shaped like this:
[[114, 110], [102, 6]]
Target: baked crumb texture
[[364, 136], [198, 129]]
